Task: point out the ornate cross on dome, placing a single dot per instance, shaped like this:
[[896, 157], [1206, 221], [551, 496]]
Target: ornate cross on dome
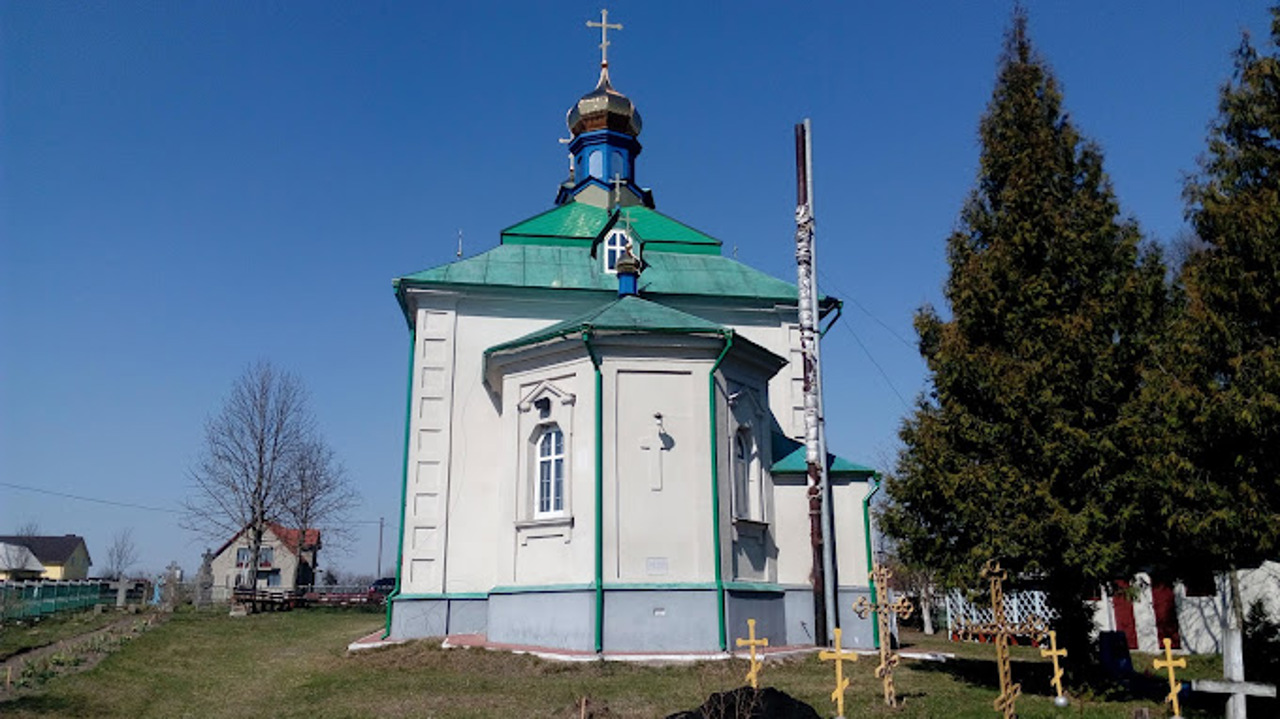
[[605, 27]]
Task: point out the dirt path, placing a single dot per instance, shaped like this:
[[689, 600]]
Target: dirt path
[[88, 648]]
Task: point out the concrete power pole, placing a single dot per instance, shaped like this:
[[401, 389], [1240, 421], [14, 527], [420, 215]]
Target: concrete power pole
[[823, 576]]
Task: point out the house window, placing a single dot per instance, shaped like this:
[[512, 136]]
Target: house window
[[746, 503], [242, 556], [615, 243], [265, 556], [273, 578], [549, 492]]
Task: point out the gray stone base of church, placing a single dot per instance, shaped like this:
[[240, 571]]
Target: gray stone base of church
[[417, 618], [635, 620]]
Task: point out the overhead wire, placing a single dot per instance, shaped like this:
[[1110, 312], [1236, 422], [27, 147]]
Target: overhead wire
[[867, 351], [81, 498]]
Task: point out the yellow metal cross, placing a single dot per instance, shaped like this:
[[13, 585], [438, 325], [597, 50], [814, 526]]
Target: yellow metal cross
[[605, 27], [753, 674], [1170, 663], [884, 609], [1055, 652], [839, 656], [1000, 629]]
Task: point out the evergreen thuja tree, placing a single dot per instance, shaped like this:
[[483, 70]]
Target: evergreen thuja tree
[[1215, 391], [1020, 452]]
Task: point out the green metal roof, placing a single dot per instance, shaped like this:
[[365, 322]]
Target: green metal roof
[[572, 268], [578, 222], [625, 314], [793, 460]]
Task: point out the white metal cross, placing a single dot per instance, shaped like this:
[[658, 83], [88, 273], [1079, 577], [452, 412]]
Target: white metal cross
[[605, 27], [617, 183]]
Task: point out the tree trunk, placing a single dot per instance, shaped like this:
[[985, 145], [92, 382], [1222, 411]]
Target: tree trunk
[[1233, 642], [1074, 625], [926, 609]]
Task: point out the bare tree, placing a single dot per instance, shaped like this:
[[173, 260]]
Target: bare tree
[[318, 497], [121, 554], [30, 528], [251, 449]]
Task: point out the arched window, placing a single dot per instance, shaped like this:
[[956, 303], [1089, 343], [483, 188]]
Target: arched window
[[549, 493], [745, 500], [614, 245], [619, 166], [595, 164]]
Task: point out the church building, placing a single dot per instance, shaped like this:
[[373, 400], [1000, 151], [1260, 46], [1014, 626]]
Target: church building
[[604, 417]]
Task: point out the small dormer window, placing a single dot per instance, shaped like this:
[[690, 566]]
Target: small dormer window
[[615, 243]]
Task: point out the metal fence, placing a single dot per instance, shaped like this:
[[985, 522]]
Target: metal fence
[[1017, 607], [42, 598]]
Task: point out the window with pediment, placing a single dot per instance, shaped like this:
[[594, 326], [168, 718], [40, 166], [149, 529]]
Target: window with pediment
[[546, 450]]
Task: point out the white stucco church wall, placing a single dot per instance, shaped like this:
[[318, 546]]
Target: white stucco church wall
[[600, 433]]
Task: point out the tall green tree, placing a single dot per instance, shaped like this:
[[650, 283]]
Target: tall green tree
[[1020, 453], [1215, 391]]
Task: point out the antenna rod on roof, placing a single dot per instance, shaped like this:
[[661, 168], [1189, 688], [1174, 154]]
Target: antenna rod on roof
[[459, 243]]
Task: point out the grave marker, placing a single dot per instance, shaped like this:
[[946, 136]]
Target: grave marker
[[1174, 685], [1000, 629], [883, 609], [839, 656], [753, 674], [1053, 651]]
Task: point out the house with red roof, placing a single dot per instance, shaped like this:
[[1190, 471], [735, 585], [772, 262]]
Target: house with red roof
[[286, 560]]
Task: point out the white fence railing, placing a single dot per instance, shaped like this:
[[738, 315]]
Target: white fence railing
[[1018, 606]]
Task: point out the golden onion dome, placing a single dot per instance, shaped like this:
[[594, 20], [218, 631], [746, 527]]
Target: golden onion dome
[[604, 108]]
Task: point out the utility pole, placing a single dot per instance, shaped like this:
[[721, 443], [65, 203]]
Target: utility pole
[[823, 575]]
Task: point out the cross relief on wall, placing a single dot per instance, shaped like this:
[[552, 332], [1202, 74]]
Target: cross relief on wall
[[656, 444]]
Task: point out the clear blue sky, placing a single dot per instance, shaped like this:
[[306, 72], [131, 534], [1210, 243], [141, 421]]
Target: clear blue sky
[[188, 187]]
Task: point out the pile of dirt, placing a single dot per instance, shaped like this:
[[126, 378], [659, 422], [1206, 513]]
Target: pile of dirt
[[748, 703]]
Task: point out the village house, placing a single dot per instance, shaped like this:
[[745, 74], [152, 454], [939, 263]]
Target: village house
[[18, 563], [284, 562], [63, 557]]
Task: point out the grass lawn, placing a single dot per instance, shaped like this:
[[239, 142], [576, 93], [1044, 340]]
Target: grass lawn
[[294, 664], [15, 638]]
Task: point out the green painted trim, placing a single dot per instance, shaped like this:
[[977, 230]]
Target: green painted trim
[[682, 248], [404, 471], [866, 530], [599, 503], [660, 586], [755, 587], [715, 487], [453, 595], [542, 589], [546, 240]]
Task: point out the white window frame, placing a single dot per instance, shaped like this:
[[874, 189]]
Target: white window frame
[[549, 475], [615, 243], [746, 475], [749, 500], [545, 406]]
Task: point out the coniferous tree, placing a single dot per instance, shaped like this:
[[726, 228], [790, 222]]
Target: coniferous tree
[[1214, 394], [1020, 453]]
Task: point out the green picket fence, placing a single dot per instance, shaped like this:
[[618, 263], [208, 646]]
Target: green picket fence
[[31, 599]]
